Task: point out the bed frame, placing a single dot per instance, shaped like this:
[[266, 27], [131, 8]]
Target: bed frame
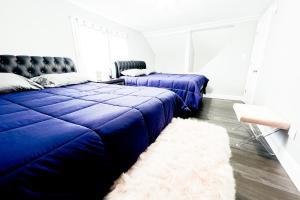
[[31, 66], [125, 65], [106, 158]]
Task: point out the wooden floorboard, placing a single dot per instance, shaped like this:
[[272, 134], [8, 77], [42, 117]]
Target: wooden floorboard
[[258, 175]]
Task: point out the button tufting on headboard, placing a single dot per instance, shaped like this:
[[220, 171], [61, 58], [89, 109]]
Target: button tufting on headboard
[[124, 65], [31, 66]]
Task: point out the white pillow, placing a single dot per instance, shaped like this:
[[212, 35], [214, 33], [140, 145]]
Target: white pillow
[[149, 71], [57, 80], [133, 72], [10, 82]]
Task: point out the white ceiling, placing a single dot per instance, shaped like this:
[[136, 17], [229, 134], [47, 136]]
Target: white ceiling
[[152, 15]]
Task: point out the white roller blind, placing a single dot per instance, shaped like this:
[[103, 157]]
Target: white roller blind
[[118, 48], [94, 52]]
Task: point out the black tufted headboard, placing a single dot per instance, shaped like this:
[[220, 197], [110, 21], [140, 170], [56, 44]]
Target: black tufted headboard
[[124, 65], [31, 66]]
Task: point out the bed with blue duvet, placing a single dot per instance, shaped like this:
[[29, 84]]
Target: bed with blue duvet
[[72, 142], [189, 87]]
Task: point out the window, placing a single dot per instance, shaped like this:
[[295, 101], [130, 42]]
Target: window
[[118, 47], [97, 48]]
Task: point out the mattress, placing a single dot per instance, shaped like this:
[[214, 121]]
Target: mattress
[[190, 87], [72, 142]]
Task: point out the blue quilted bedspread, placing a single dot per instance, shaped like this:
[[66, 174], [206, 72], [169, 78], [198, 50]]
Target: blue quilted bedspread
[[72, 142], [190, 87]]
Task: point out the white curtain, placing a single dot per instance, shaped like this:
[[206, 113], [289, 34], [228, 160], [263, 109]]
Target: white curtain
[[94, 53], [118, 50], [98, 48]]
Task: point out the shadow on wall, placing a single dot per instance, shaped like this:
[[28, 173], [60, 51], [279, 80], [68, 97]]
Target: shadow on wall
[[209, 44], [223, 55], [209, 89], [220, 53], [209, 48]]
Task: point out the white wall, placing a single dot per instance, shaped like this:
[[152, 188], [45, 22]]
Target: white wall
[[43, 27], [279, 81], [222, 53], [169, 52]]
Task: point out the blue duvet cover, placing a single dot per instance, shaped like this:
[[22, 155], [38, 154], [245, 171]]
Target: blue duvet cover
[[72, 142], [190, 87]]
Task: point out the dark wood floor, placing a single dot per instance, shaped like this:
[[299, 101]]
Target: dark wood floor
[[258, 175]]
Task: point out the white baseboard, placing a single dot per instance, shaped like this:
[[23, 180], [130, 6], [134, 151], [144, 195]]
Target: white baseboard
[[291, 167], [222, 96]]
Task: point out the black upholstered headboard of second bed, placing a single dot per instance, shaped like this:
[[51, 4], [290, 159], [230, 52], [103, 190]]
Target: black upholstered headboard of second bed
[[125, 65], [31, 66]]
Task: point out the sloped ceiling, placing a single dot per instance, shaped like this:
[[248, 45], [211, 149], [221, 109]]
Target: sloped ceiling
[[153, 15]]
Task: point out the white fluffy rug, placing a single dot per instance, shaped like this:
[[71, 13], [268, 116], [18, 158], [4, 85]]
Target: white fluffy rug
[[189, 160]]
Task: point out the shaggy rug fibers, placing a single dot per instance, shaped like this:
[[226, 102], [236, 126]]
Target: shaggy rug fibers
[[189, 160]]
